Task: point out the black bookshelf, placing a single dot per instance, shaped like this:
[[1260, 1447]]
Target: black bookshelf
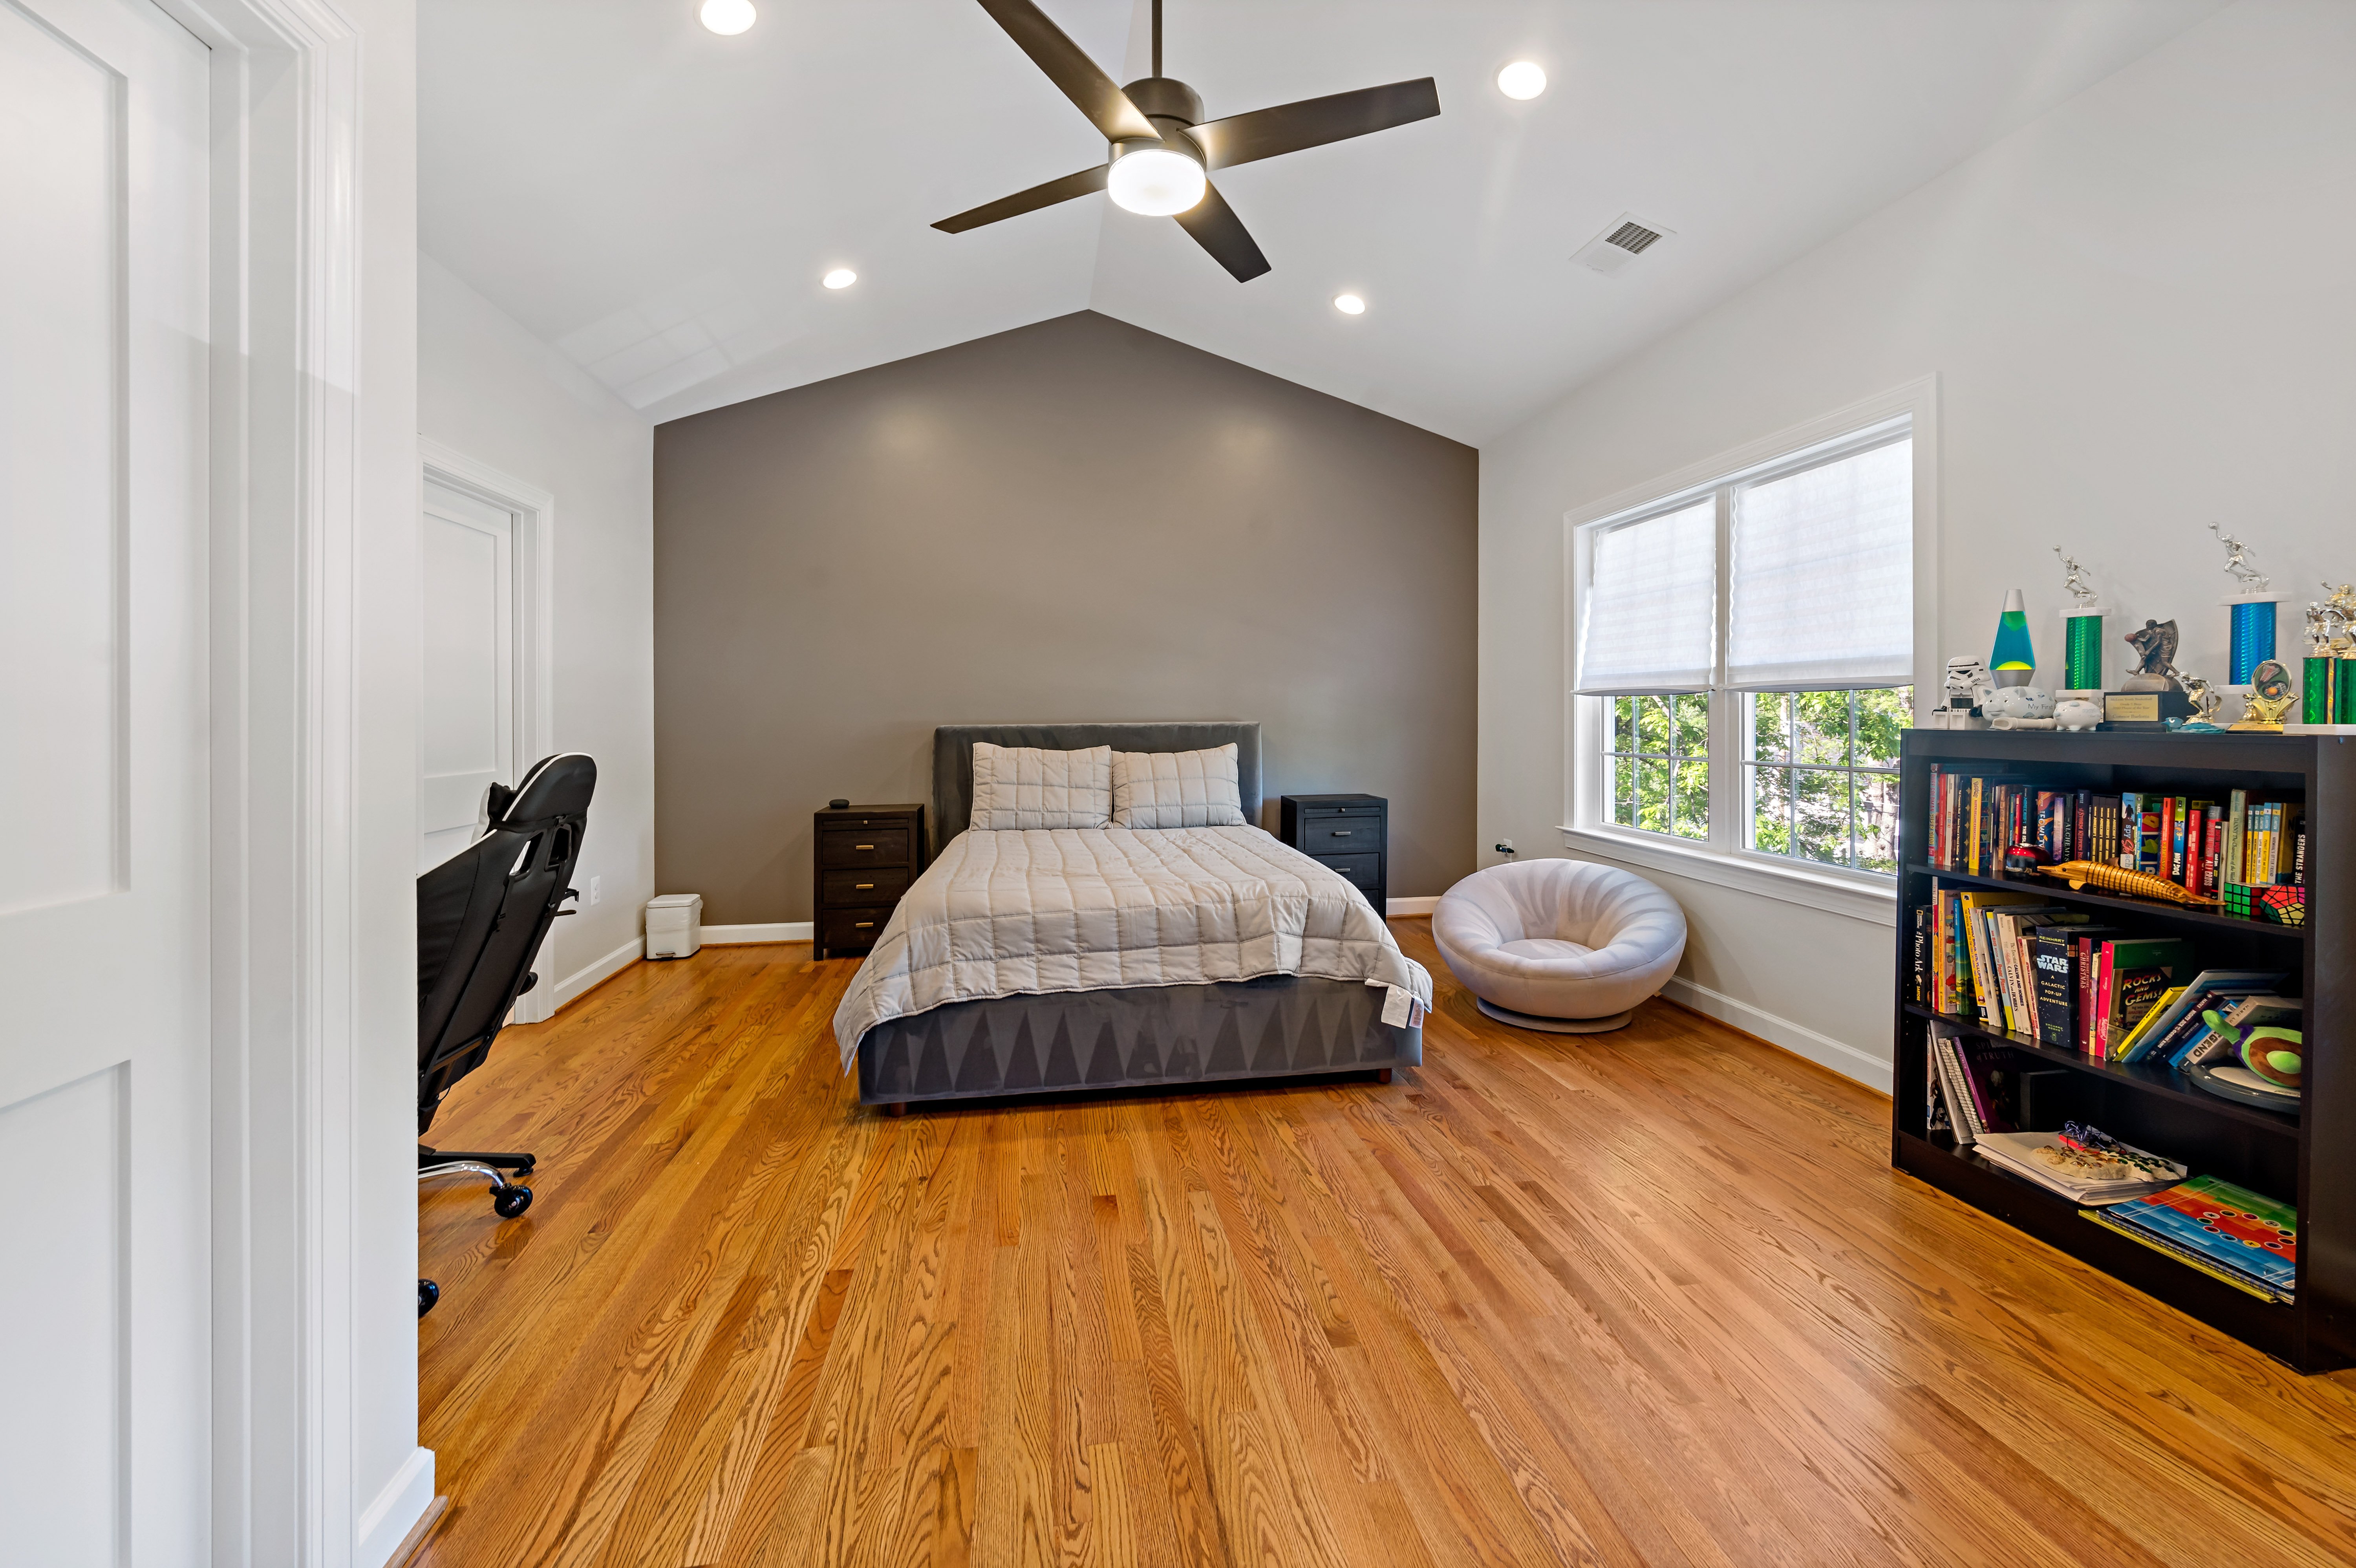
[[2308, 1158]]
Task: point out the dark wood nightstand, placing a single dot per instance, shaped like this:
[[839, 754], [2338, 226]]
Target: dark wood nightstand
[[866, 857], [1349, 832]]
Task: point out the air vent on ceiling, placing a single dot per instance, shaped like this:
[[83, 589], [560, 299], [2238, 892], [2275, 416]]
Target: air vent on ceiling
[[1613, 249]]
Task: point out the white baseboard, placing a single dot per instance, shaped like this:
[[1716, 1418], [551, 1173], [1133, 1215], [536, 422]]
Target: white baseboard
[[776, 931], [595, 973], [1797, 1038], [385, 1523], [1396, 906]]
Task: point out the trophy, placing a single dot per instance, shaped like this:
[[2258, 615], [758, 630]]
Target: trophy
[[2270, 699], [2250, 635], [2082, 631], [2153, 693]]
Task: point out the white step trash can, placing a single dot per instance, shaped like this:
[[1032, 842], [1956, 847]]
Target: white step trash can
[[674, 924]]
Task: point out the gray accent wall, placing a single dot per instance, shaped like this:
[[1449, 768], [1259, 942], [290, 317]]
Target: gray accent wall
[[1077, 520]]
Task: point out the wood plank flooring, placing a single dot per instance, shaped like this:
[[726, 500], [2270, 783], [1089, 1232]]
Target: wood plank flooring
[[1648, 1297]]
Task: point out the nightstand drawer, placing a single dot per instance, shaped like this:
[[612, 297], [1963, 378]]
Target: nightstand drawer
[[880, 886], [1352, 834], [1364, 871], [863, 846], [842, 931]]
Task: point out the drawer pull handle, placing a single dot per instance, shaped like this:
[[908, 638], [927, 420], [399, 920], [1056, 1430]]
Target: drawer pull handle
[[864, 926], [862, 846], [1340, 833], [861, 886]]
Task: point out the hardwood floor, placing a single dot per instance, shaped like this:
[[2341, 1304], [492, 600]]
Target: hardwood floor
[[1653, 1297]]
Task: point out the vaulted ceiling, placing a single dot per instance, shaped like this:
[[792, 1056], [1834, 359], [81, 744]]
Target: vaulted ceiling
[[659, 202]]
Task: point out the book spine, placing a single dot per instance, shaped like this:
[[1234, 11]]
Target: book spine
[[2082, 973], [1979, 790], [2130, 813], [2102, 1000], [2237, 809], [2213, 852], [2171, 858], [1919, 928]]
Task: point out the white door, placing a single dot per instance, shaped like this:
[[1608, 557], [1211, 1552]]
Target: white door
[[467, 731], [104, 1049]]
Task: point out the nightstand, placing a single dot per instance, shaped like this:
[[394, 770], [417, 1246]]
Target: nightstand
[[1349, 832], [866, 857]]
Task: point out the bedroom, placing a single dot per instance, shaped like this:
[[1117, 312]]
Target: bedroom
[[1069, 666]]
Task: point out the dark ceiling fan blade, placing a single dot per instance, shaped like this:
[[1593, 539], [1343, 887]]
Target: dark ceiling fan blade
[[1313, 122], [1069, 68], [1086, 183], [1217, 230]]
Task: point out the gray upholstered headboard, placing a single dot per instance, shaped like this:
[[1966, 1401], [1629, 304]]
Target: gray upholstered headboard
[[953, 758]]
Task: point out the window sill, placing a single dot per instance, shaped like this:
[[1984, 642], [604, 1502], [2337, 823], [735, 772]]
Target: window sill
[[1858, 896]]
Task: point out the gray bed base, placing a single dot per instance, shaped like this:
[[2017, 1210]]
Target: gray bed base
[[1280, 1027]]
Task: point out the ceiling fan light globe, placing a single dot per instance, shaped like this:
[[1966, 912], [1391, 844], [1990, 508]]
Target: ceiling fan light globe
[[1155, 181], [1523, 79], [727, 17]]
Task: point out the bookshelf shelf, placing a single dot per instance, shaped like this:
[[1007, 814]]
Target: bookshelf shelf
[[2270, 1327], [2141, 1076], [2307, 1158], [2142, 908]]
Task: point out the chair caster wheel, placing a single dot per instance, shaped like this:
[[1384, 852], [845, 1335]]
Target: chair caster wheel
[[428, 1293], [510, 1200]]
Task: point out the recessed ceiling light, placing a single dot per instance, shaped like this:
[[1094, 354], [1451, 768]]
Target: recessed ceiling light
[[841, 277], [728, 18], [1349, 305], [1523, 79]]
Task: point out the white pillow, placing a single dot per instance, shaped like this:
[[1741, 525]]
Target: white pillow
[[1017, 787], [1177, 788]]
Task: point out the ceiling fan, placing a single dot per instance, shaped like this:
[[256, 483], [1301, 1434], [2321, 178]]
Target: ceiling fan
[[1163, 152]]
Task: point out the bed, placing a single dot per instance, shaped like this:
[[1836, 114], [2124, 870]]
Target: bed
[[1037, 960]]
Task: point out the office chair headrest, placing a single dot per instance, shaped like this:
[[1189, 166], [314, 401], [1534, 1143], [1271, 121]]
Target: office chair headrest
[[557, 786]]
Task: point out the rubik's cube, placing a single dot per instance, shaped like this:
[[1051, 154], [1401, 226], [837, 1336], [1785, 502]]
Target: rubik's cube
[[2281, 905]]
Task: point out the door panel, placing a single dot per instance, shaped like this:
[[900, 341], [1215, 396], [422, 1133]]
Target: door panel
[[466, 729], [104, 1043]]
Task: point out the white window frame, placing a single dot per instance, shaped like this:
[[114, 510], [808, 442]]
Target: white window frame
[[1722, 858]]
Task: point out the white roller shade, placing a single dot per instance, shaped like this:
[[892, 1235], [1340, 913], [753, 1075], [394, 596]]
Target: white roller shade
[[1652, 591], [1823, 590]]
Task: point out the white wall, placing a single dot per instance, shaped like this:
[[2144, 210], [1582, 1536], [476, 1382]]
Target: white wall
[[490, 388], [2140, 314]]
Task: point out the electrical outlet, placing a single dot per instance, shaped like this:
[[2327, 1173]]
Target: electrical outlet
[[1504, 846], [596, 890]]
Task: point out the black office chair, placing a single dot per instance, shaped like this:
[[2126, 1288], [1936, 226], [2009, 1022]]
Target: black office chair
[[481, 917]]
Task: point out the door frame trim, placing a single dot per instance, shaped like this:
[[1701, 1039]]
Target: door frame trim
[[285, 842], [534, 511]]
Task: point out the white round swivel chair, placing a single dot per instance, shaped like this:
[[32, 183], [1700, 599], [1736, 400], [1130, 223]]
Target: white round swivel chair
[[1564, 945]]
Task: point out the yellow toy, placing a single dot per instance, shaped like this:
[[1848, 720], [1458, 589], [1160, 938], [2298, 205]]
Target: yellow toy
[[2119, 879]]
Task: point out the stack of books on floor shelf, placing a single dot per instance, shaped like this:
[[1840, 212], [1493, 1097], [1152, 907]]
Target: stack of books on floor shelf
[[2110, 1004]]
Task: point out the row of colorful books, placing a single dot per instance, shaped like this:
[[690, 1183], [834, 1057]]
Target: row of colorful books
[[2048, 972], [2243, 1237], [2201, 845]]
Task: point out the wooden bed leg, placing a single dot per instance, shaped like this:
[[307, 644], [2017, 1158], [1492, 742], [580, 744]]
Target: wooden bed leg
[[896, 1108], [1382, 1075]]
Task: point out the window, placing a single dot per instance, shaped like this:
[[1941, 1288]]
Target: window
[[1658, 764], [1761, 617], [1820, 775]]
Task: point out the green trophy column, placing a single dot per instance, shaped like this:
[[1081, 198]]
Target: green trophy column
[[2082, 650], [2344, 692], [2315, 703]]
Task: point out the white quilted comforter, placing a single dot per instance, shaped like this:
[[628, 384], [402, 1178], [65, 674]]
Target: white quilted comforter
[[1008, 914]]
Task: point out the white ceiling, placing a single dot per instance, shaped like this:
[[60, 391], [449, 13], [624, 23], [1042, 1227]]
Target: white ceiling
[[661, 202]]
